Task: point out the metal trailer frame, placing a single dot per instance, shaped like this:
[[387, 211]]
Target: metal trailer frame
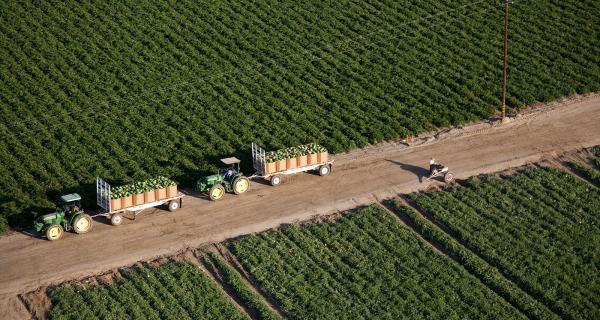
[[258, 162], [103, 201]]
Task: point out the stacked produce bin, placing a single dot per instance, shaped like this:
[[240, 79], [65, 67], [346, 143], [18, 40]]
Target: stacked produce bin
[[142, 192]]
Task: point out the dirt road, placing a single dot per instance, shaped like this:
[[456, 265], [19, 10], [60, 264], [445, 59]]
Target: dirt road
[[358, 178]]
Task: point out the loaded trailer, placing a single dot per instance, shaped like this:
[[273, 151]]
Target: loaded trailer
[[115, 207], [287, 162]]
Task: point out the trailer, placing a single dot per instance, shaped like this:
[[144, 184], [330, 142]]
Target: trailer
[[273, 171], [115, 215]]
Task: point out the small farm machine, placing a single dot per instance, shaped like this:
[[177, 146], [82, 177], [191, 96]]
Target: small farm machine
[[441, 171], [229, 179], [69, 217]]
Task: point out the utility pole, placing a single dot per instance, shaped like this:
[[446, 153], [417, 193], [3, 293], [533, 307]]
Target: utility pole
[[504, 119]]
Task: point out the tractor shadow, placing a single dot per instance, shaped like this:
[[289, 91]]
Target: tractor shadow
[[418, 171], [31, 233]]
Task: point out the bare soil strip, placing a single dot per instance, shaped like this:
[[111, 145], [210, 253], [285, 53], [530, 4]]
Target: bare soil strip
[[359, 177]]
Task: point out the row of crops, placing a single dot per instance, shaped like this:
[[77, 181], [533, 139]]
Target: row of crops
[[540, 227], [177, 290], [128, 90], [524, 246], [364, 266]]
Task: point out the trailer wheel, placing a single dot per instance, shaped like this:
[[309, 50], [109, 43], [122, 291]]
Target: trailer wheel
[[82, 223], [324, 170], [116, 219], [275, 180], [448, 177], [173, 205], [54, 232], [241, 185], [216, 192]]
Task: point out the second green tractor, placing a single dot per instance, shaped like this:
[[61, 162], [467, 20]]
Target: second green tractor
[[229, 179]]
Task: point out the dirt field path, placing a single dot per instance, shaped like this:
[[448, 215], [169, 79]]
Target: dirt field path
[[360, 177]]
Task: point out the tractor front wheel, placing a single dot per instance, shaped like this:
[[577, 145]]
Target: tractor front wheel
[[216, 192], [116, 219], [275, 180], [82, 223], [173, 205], [241, 185], [54, 232], [324, 170]]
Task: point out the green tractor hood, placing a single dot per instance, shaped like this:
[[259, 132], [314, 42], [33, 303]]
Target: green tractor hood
[[47, 219], [207, 182]]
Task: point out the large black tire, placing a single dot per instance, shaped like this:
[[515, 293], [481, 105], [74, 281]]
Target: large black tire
[[241, 185], [116, 219], [54, 232], [275, 180], [82, 223], [173, 205], [216, 192], [324, 170]]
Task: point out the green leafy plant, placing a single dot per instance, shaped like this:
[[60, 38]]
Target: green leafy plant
[[176, 290], [141, 187], [293, 152]]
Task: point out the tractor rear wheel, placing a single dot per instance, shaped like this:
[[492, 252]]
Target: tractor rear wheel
[[216, 192], [173, 205], [275, 180], [240, 185], [54, 232], [82, 223], [324, 170], [448, 177], [116, 219]]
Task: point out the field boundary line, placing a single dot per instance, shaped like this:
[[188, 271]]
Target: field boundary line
[[249, 281], [213, 274]]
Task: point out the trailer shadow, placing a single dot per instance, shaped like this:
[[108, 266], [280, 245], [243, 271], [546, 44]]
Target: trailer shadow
[[418, 171], [261, 181]]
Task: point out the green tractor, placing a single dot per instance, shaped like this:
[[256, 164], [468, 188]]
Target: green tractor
[[69, 217], [228, 180]]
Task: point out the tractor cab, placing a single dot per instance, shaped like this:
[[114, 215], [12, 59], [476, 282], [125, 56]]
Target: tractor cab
[[69, 216], [71, 203], [229, 179], [233, 170]]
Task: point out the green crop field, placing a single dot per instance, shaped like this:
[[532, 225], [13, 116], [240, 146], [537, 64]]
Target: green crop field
[[132, 89], [364, 266], [173, 291], [540, 227]]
